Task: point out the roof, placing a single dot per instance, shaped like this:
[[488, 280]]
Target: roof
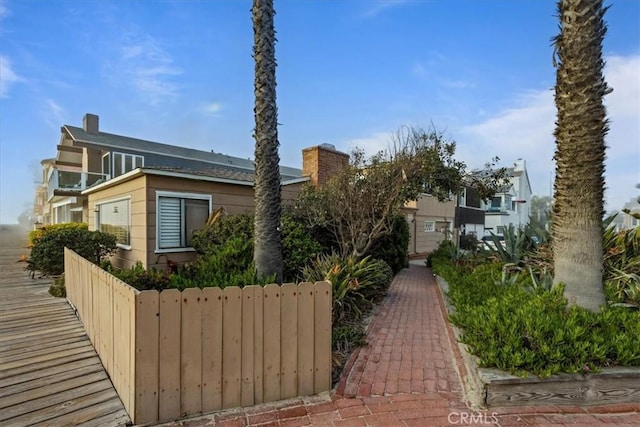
[[220, 175], [224, 173], [222, 161]]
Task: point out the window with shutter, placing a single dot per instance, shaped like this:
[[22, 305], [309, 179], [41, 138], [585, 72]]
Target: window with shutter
[[178, 216], [169, 223]]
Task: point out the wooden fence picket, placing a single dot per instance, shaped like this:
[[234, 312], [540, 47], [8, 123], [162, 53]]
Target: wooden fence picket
[[171, 353]]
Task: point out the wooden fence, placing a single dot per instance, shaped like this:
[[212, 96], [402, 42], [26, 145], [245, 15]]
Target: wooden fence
[[173, 354]]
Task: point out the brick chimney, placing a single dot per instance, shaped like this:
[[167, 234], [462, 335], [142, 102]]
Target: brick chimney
[[90, 123], [321, 162]]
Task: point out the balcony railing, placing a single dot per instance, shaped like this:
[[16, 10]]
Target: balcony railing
[[72, 181], [497, 209]]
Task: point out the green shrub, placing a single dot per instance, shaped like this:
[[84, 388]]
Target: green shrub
[[47, 252], [57, 288], [394, 247], [39, 232], [344, 339], [211, 238], [468, 242], [356, 284], [513, 326], [140, 278], [446, 251], [220, 268], [298, 246]]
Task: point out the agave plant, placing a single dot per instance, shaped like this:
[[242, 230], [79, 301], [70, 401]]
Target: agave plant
[[356, 284], [516, 246], [622, 262]]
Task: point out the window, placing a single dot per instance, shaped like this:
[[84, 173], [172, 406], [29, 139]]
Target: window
[[462, 198], [120, 164], [429, 226], [114, 217], [106, 165], [179, 215], [507, 202], [500, 229], [496, 203]]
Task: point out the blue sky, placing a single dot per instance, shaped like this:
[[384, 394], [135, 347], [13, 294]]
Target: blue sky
[[350, 73]]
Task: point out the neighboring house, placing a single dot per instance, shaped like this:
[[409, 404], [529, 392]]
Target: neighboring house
[[470, 213], [87, 156], [629, 221], [430, 222], [511, 205], [41, 207]]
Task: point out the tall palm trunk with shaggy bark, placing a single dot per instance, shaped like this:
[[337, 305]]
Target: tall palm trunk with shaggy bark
[[580, 132], [268, 243]]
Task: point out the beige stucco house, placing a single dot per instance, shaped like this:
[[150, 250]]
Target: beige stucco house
[[430, 222], [153, 211]]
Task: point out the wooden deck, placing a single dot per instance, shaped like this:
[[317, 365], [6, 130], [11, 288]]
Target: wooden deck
[[49, 372]]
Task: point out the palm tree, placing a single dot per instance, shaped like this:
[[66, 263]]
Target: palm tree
[[268, 244], [580, 132]]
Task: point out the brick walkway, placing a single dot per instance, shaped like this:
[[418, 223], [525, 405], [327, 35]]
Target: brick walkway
[[407, 376]]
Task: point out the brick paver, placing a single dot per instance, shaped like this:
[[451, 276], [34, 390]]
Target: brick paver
[[408, 375]]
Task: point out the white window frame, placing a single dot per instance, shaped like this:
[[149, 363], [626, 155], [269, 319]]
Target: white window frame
[[429, 226], [108, 172], [177, 195], [98, 219], [112, 162]]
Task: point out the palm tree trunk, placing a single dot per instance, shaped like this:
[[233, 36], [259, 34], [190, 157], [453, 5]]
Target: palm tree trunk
[[580, 152], [268, 244]]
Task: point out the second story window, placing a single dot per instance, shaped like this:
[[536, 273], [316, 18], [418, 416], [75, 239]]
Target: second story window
[[115, 164], [106, 165]]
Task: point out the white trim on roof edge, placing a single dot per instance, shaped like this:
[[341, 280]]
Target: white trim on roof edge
[[146, 171]]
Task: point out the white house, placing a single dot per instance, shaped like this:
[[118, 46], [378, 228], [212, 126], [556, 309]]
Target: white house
[[512, 203], [628, 220]]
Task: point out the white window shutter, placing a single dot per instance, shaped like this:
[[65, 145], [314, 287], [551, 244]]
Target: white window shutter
[[169, 223]]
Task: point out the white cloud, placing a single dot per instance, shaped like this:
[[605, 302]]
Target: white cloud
[[372, 144], [457, 84], [4, 11], [526, 131], [8, 77], [623, 75], [379, 6], [143, 63], [419, 70], [54, 113], [212, 108]]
